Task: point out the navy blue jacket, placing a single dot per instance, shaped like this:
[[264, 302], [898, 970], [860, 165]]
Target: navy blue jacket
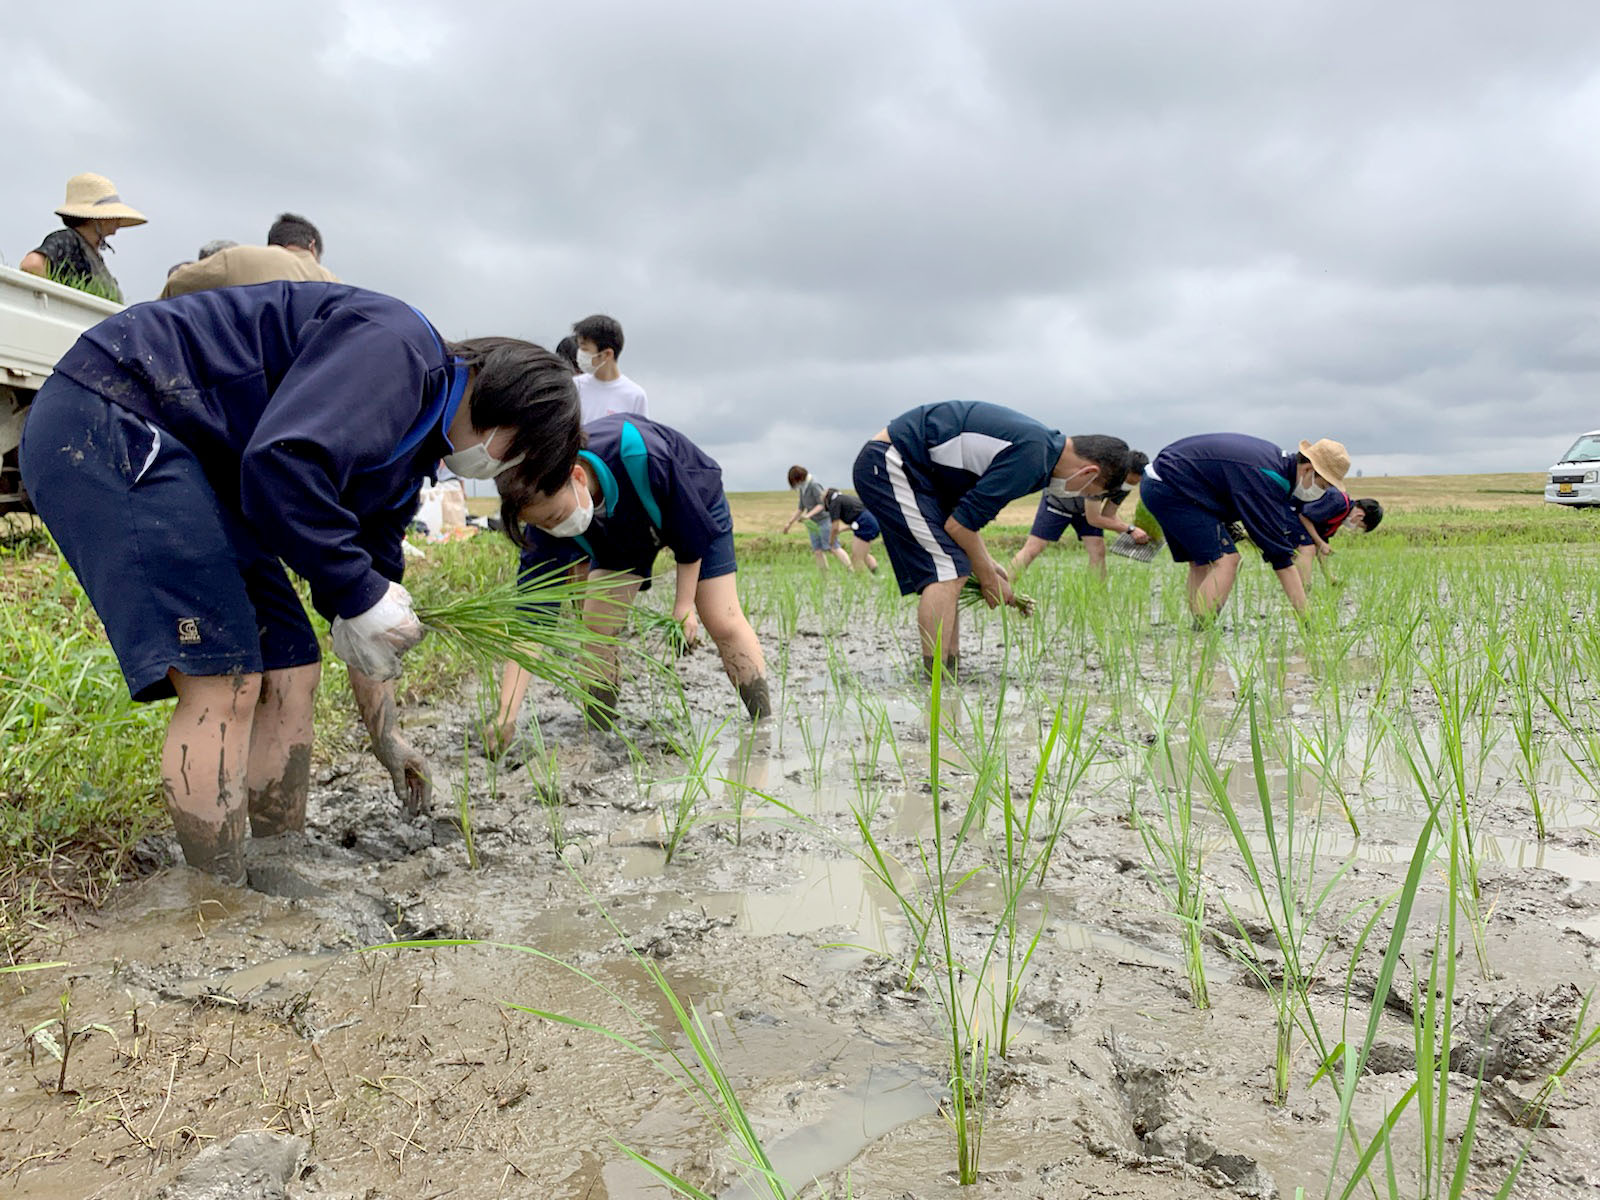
[[1327, 512], [1235, 477], [978, 457], [295, 398], [685, 485]]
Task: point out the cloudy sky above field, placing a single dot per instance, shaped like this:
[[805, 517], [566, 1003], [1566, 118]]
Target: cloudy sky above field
[[1377, 221]]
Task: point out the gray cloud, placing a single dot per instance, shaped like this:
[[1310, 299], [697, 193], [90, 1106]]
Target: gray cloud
[[1363, 220]]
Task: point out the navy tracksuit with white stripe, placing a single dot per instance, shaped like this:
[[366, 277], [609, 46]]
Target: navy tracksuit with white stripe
[[958, 458]]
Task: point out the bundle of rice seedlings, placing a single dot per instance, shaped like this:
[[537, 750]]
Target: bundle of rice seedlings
[[536, 625], [972, 595], [653, 620]]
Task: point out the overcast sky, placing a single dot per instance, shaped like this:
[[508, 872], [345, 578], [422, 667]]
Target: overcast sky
[[1378, 222]]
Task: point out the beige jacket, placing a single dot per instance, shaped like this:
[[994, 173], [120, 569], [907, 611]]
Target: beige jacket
[[239, 265]]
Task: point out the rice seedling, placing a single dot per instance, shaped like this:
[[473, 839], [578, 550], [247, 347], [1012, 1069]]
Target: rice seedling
[[697, 750], [1583, 1047], [1525, 667]]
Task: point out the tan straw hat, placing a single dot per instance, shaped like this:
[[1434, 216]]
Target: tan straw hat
[[95, 197], [1330, 458]]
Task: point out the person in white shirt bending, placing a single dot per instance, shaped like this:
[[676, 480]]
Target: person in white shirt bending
[[602, 388]]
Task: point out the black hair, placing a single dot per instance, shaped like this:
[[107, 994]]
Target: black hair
[[522, 387], [1371, 510], [567, 348], [1108, 453], [291, 229], [74, 222], [605, 332], [827, 496], [1138, 460], [797, 475]]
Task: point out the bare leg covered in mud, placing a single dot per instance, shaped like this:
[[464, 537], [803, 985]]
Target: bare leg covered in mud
[[408, 770], [279, 772], [937, 625], [717, 602], [204, 767], [1210, 584], [605, 610]]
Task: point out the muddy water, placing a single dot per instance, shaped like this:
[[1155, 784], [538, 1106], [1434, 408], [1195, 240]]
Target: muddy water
[[211, 1010]]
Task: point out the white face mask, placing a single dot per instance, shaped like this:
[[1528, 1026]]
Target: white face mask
[[586, 362], [1308, 492], [576, 522], [1061, 489], [475, 462]]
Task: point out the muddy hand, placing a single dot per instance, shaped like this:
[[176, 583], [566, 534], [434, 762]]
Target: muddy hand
[[408, 771], [691, 629]]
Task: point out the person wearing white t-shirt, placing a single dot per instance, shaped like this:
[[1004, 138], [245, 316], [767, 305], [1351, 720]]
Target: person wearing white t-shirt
[[602, 388]]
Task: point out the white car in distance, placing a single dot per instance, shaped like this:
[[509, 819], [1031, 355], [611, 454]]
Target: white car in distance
[[1575, 480]]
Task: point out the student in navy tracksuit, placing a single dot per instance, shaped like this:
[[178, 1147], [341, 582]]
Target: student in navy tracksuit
[[1323, 518], [187, 450], [844, 511], [938, 474], [1198, 486], [638, 487], [1088, 516]]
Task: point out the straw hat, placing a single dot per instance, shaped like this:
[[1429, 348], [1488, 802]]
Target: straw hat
[[1330, 458], [95, 197]]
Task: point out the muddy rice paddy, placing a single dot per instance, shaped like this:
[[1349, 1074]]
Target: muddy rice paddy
[[208, 1012]]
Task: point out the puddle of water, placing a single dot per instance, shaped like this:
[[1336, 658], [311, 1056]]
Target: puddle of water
[[246, 980], [886, 1099]]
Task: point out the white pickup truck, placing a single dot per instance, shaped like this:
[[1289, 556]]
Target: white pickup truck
[[39, 321]]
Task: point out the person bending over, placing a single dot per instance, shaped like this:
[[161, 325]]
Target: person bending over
[[935, 476], [809, 508], [1323, 518], [1088, 516], [845, 511], [1198, 486], [637, 487], [185, 451]]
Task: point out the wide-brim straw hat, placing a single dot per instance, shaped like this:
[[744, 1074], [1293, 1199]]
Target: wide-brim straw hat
[[95, 197], [1330, 458]]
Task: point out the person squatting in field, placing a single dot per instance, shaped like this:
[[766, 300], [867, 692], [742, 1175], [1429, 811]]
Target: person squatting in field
[[1088, 516], [845, 511], [809, 508], [1198, 486], [186, 450], [638, 487], [935, 476], [1323, 518]]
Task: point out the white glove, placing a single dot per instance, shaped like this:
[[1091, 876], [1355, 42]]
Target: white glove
[[373, 642]]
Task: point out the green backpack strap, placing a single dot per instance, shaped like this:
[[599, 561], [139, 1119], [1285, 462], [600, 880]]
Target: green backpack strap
[[636, 462]]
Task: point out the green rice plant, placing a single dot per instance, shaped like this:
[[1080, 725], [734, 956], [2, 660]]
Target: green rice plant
[[1582, 1047], [816, 740], [696, 1070], [543, 767], [1172, 838], [1288, 886], [1525, 670], [697, 750], [1582, 748]]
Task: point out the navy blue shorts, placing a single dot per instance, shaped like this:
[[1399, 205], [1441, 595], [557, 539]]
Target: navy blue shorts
[[1050, 523], [1193, 534], [865, 527], [911, 519], [175, 576]]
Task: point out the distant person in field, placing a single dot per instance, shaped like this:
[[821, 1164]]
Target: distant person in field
[[637, 488], [1198, 486], [809, 508], [938, 474], [1323, 518], [293, 252], [75, 255], [186, 451], [602, 387], [845, 511], [1088, 516]]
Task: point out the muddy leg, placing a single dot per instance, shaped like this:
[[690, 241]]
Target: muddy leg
[[280, 751], [937, 625], [717, 602], [605, 610], [204, 763]]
